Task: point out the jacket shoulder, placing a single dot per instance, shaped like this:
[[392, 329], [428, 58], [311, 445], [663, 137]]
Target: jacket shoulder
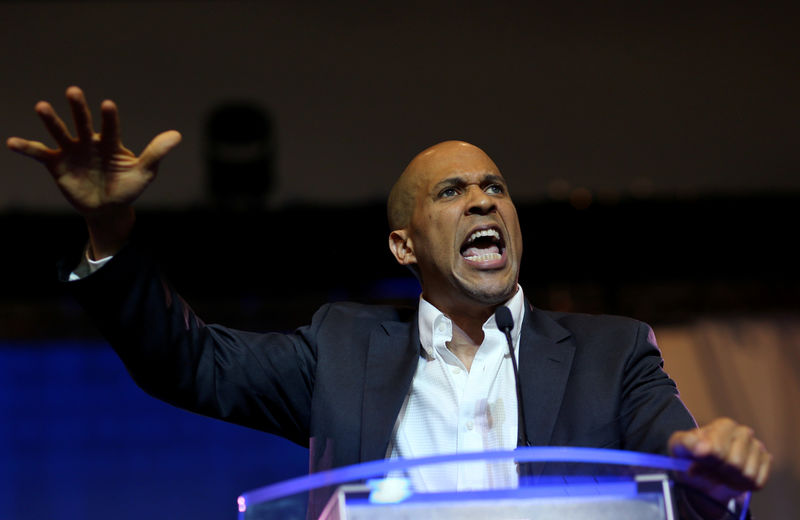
[[576, 320], [610, 331]]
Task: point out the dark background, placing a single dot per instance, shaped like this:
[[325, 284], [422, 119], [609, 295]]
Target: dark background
[[650, 147]]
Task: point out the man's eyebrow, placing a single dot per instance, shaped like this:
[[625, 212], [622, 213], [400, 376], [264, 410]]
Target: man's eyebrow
[[489, 178], [450, 181], [492, 178]]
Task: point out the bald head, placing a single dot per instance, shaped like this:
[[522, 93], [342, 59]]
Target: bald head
[[444, 155]]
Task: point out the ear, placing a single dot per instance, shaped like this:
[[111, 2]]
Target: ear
[[402, 247]]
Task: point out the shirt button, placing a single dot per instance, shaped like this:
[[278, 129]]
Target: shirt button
[[456, 370], [470, 425]]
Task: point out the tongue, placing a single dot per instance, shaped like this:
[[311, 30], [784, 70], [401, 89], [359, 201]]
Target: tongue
[[477, 251]]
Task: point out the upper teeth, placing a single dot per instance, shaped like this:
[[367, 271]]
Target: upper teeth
[[484, 233]]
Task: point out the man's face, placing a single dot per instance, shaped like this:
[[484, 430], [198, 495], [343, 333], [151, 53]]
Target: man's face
[[464, 231]]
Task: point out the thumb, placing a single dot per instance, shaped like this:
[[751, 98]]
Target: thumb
[[689, 444], [158, 148]]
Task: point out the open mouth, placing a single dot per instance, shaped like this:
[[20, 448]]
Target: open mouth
[[484, 246]]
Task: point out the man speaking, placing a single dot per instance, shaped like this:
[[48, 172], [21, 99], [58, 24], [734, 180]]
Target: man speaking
[[366, 382]]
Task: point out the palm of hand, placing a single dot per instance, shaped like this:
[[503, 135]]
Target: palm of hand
[[92, 177]]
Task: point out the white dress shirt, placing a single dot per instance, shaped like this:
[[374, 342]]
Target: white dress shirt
[[451, 410]]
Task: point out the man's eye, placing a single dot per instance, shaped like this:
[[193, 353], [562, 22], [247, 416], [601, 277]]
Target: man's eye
[[448, 192], [494, 189]]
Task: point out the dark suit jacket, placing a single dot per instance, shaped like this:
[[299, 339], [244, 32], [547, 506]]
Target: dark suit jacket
[[337, 384]]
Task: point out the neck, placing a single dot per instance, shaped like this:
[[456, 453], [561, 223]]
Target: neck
[[470, 326], [464, 346], [467, 320], [468, 316]]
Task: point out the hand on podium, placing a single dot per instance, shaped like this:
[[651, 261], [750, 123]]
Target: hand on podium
[[727, 459]]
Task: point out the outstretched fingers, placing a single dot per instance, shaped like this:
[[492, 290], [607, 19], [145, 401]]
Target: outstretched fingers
[[80, 114], [110, 133], [32, 149], [158, 148], [55, 126]]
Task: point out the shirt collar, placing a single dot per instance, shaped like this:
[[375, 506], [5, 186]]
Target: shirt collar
[[431, 319]]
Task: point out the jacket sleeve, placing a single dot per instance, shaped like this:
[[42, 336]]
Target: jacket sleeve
[[262, 381], [651, 408]]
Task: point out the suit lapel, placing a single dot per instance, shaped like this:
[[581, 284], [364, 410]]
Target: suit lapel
[[545, 359], [391, 363]]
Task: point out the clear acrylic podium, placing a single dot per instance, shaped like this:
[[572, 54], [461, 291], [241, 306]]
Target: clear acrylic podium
[[554, 484]]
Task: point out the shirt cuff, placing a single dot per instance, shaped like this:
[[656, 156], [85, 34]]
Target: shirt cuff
[[87, 266]]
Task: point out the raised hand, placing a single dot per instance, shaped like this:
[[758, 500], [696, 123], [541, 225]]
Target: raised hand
[[95, 172], [727, 458]]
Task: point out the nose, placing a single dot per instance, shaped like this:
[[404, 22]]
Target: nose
[[479, 202]]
